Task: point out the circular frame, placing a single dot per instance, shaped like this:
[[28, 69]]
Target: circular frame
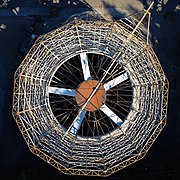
[[103, 155]]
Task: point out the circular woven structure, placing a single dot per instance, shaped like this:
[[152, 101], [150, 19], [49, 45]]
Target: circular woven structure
[[46, 105]]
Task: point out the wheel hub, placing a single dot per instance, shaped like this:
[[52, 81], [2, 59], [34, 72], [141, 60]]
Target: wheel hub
[[84, 91]]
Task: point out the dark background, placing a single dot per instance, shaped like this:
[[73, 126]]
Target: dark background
[[16, 161]]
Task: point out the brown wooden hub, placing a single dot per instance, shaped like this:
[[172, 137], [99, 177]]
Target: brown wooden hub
[[84, 91]]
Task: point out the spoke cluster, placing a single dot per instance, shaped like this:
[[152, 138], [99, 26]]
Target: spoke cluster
[[67, 135], [91, 123]]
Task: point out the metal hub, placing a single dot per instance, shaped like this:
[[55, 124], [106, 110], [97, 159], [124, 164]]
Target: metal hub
[[84, 91]]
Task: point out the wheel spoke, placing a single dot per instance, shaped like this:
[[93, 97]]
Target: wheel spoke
[[77, 122], [85, 66], [62, 91], [111, 114], [115, 81]]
